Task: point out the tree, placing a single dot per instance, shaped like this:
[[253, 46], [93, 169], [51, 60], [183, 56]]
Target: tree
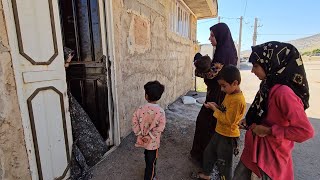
[[316, 51]]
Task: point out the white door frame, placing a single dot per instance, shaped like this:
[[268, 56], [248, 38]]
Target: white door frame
[[108, 33]]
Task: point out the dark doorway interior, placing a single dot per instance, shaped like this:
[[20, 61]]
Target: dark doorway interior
[[87, 76]]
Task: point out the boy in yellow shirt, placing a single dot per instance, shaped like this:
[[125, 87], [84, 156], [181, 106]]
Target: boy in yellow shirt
[[223, 144]]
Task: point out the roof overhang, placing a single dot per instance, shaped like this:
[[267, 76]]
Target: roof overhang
[[203, 8]]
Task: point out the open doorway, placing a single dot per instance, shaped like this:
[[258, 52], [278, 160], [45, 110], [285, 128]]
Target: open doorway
[[88, 76]]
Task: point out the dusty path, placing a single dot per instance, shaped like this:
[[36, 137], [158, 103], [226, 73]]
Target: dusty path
[[127, 162]]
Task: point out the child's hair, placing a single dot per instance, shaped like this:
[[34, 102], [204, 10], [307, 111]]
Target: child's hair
[[203, 64], [154, 90], [230, 73], [197, 57]]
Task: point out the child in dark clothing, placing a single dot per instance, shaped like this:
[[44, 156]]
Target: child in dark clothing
[[205, 68]]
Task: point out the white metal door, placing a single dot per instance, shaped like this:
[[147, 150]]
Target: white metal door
[[34, 32]]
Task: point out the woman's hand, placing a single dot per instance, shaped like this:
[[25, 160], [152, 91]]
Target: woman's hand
[[261, 130], [68, 60], [211, 105]]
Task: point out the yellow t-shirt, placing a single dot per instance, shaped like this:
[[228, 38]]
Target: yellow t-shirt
[[231, 112]]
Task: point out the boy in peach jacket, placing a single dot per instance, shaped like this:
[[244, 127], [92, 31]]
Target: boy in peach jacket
[[148, 123]]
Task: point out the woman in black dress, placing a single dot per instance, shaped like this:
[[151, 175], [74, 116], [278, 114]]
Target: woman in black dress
[[225, 53]]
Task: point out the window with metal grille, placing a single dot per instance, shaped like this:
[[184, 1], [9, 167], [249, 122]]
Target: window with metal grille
[[179, 19], [81, 32]]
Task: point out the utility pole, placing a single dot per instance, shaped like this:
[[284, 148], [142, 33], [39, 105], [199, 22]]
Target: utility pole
[[239, 43], [218, 19], [255, 31]]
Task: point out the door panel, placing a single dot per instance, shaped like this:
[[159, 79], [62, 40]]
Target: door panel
[[87, 74], [29, 19], [90, 89], [49, 129], [37, 58]]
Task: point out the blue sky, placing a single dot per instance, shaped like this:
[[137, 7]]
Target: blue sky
[[280, 20]]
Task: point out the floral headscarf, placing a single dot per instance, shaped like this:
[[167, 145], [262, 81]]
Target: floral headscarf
[[282, 64]]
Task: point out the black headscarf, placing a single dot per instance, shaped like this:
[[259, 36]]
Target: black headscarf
[[282, 64], [225, 52]]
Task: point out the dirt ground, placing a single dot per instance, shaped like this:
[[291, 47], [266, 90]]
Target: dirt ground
[[127, 162]]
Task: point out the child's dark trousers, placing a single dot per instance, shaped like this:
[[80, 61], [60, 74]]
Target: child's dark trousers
[[150, 157], [219, 152]]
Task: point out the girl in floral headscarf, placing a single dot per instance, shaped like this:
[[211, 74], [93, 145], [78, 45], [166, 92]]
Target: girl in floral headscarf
[[276, 118]]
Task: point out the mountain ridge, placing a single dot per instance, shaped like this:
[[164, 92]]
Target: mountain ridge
[[302, 44]]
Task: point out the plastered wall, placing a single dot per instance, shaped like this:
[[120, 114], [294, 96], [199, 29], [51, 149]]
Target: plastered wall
[[146, 49]]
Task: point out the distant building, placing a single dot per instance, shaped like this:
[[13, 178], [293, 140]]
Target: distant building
[[207, 49]]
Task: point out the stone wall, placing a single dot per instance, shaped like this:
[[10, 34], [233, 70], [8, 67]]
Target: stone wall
[[145, 50], [13, 155]]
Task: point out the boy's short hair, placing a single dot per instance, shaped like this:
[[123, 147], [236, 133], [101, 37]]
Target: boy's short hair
[[230, 73], [203, 64], [154, 90]]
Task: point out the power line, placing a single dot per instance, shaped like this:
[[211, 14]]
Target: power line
[[229, 17], [206, 21], [221, 17], [283, 34]]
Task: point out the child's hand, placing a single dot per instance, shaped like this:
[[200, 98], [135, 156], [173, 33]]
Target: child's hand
[[139, 140], [243, 124], [146, 139], [215, 104], [261, 130], [211, 105]]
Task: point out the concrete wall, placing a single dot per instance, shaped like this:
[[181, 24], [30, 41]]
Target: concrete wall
[[147, 50], [13, 155]]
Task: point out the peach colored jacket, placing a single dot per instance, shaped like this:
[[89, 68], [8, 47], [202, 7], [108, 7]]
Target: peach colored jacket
[[148, 123]]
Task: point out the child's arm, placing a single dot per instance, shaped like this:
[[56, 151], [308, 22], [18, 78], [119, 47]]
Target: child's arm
[[300, 128], [160, 126], [135, 124], [208, 75]]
